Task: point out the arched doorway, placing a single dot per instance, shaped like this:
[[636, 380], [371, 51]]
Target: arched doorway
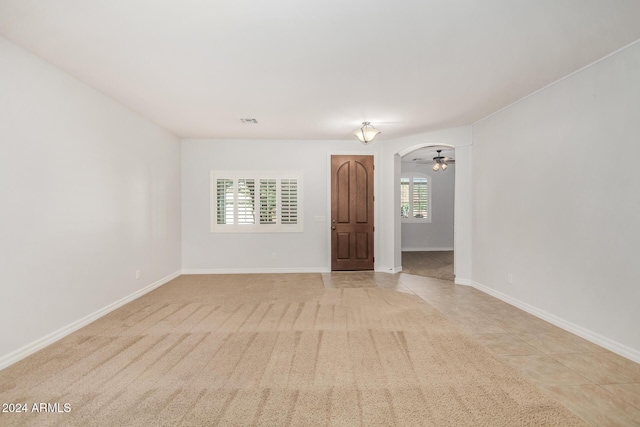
[[427, 183], [462, 221]]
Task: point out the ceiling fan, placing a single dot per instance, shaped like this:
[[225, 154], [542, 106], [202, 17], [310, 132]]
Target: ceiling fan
[[439, 162]]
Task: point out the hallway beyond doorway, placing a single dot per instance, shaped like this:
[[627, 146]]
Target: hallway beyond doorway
[[436, 264]]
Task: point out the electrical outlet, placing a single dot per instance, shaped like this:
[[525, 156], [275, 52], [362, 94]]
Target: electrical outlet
[[137, 274], [510, 278], [274, 256]]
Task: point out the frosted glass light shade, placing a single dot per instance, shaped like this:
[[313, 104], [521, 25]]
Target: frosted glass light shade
[[366, 133]]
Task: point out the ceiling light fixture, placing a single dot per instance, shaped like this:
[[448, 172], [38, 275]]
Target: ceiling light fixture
[[366, 133], [440, 162]]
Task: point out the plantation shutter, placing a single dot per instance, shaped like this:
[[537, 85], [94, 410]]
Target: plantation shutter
[[289, 201], [246, 201], [420, 198], [268, 201], [256, 202], [415, 198], [405, 203], [224, 203]]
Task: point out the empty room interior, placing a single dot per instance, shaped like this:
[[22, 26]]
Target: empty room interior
[[316, 213]]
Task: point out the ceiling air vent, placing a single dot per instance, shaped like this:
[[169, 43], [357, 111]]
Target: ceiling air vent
[[249, 121]]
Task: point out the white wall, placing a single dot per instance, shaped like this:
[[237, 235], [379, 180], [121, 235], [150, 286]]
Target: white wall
[[560, 211], [203, 251], [90, 193], [436, 235]]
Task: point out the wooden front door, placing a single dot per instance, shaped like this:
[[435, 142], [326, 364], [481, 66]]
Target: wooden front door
[[351, 212]]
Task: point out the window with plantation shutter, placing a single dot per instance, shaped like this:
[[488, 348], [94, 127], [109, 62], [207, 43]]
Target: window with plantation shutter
[[415, 198], [256, 202]]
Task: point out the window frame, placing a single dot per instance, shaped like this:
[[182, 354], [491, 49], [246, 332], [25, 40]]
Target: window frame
[[257, 176], [411, 176]]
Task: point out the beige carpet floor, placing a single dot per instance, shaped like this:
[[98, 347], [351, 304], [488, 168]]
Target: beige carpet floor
[[274, 350], [436, 264]]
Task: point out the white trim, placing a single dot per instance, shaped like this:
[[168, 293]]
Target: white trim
[[463, 282], [436, 249], [392, 270], [419, 145], [579, 70], [255, 270], [49, 339], [601, 340]]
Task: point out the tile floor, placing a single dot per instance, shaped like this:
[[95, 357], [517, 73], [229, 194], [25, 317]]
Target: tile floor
[[596, 384]]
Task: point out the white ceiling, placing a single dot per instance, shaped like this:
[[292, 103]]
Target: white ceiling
[[316, 69]]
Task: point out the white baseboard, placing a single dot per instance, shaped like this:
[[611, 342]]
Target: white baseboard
[[437, 249], [49, 339], [463, 282], [601, 340], [392, 270], [254, 270]]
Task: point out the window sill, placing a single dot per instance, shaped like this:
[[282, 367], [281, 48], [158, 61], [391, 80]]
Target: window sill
[[416, 220], [234, 229]]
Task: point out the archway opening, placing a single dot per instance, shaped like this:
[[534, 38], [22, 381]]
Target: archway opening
[[426, 186]]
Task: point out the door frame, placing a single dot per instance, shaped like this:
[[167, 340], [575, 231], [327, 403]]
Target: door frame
[[376, 206]]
